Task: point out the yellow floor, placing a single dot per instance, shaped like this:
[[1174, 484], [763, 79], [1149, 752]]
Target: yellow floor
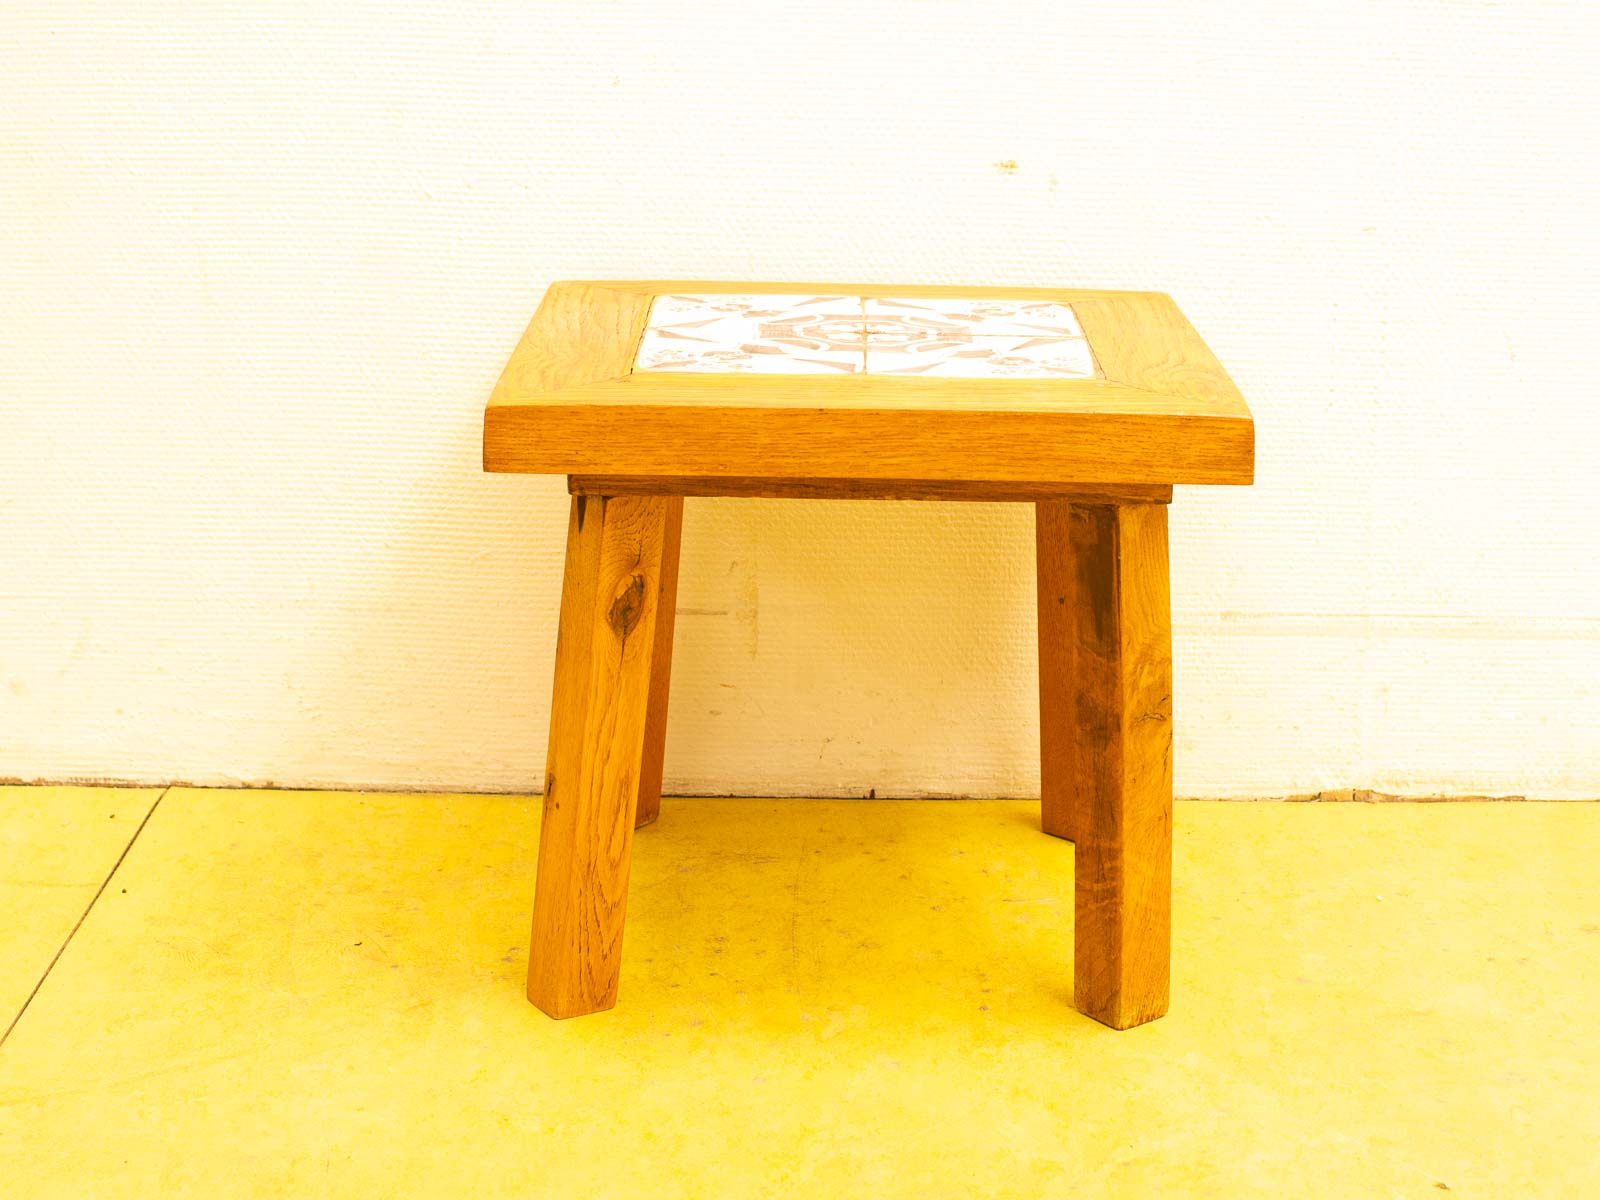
[[57, 845], [317, 994]]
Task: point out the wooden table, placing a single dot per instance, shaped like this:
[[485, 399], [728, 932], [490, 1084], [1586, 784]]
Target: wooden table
[[1089, 405]]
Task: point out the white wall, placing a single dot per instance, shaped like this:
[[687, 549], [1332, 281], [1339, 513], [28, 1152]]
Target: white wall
[[260, 265]]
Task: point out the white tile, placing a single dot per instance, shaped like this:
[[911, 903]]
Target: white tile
[[798, 362], [808, 335], [1050, 355], [986, 358], [741, 346], [892, 331], [708, 330], [674, 310], [826, 333], [980, 316], [763, 334]]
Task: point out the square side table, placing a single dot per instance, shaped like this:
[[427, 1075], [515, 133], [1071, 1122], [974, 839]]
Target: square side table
[[1090, 405]]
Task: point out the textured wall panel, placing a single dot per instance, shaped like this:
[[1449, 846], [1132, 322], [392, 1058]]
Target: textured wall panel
[[260, 264]]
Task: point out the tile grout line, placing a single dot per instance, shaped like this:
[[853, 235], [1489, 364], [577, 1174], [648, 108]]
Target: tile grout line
[[100, 891]]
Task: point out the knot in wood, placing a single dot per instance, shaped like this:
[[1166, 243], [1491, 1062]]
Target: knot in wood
[[628, 608]]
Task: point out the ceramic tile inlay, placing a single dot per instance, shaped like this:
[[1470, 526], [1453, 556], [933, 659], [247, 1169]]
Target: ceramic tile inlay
[[849, 335]]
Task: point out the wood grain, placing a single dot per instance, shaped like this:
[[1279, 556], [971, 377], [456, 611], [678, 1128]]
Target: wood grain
[[1120, 760], [901, 393], [569, 402], [667, 287], [859, 489], [1075, 447], [604, 662], [580, 333], [1142, 340], [655, 721], [1098, 457], [1057, 592]]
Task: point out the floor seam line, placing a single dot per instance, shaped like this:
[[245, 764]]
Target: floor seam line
[[84, 916]]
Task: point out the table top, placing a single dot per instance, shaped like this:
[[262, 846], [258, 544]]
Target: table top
[[676, 378], [799, 334]]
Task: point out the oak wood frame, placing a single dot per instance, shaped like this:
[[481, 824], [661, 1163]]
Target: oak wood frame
[[1161, 411], [606, 656], [1105, 741], [1105, 705], [1097, 458]]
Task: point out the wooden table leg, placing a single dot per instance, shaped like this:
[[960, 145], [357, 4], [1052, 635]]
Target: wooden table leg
[[1057, 632], [605, 654], [655, 721], [1113, 775]]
